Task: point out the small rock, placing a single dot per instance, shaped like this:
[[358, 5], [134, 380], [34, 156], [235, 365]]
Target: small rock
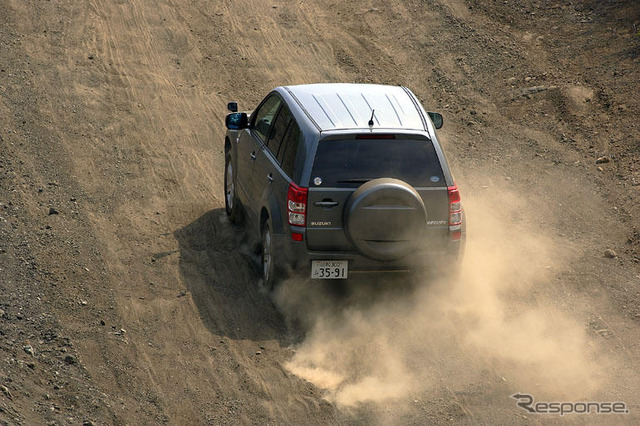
[[258, 352], [182, 294], [52, 211], [600, 169], [83, 303], [6, 392], [69, 359], [602, 160], [28, 349], [610, 254], [2, 313], [534, 89]]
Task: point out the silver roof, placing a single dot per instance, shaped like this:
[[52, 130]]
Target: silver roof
[[334, 106]]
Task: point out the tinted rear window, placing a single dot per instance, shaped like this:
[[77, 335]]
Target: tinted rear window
[[346, 163]]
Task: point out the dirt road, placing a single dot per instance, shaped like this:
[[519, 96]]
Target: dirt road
[[127, 298]]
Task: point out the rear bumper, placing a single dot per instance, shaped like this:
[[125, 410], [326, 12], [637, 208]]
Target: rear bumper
[[296, 257]]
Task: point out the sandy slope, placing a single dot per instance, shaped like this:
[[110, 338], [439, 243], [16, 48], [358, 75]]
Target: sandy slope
[[111, 113]]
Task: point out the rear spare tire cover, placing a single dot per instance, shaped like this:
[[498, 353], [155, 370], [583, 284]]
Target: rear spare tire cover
[[385, 219]]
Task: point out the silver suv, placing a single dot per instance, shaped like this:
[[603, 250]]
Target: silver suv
[[337, 179]]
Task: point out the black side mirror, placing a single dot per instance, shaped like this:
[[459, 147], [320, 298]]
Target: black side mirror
[[437, 119], [236, 121], [232, 106]]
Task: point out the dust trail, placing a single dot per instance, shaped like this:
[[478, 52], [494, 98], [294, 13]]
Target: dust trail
[[381, 340]]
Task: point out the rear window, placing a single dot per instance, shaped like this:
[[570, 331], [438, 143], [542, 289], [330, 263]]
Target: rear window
[[349, 163]]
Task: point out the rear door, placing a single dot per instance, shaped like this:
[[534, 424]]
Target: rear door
[[268, 167], [342, 165], [251, 145]]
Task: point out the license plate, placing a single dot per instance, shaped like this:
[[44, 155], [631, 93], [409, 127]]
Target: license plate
[[329, 269]]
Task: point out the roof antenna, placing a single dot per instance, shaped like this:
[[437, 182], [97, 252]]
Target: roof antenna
[[373, 111]]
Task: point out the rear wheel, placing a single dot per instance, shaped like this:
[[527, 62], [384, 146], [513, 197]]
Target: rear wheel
[[230, 199], [268, 261]]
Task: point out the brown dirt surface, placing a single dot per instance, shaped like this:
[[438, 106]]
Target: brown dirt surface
[[127, 298]]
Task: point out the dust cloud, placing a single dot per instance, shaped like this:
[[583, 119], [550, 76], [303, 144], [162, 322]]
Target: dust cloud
[[496, 324]]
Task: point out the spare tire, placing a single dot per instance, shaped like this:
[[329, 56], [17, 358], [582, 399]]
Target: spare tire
[[385, 219]]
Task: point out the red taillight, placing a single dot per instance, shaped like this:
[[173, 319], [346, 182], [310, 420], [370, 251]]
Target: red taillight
[[297, 236], [455, 206], [297, 205]]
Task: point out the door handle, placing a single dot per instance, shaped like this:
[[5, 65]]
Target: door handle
[[253, 156], [326, 203], [270, 178]]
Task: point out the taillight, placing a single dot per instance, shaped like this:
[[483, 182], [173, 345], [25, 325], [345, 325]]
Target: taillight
[[455, 206], [297, 205]]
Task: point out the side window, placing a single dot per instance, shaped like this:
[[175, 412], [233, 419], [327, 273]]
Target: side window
[[278, 130], [265, 115], [289, 148]]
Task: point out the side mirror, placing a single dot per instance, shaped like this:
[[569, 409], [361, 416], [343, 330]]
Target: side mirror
[[236, 121], [232, 106], [437, 119]]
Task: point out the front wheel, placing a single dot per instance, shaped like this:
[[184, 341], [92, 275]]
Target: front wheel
[[268, 261], [230, 198]]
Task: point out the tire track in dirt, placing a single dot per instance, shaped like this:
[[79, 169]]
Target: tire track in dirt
[[158, 167]]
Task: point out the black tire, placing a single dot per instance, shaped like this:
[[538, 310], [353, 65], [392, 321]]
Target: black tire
[[267, 259], [231, 205]]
